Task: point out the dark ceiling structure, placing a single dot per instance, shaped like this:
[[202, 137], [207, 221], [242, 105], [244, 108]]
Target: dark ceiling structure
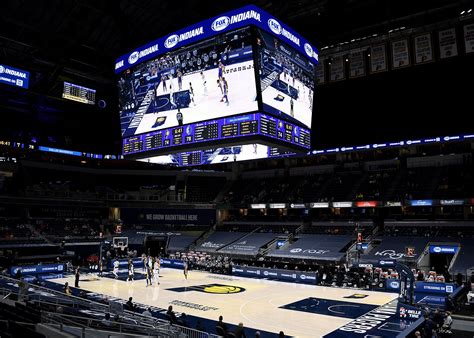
[[79, 40]]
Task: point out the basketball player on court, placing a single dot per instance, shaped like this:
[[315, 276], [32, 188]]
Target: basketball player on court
[[148, 276], [116, 268], [185, 269], [156, 271], [220, 75], [191, 93], [225, 90], [131, 272], [179, 117], [204, 83], [163, 79], [180, 80]]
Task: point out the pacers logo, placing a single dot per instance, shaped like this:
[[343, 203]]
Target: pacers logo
[[216, 288], [219, 289], [357, 296]]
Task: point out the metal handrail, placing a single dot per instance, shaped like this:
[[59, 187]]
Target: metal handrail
[[93, 305], [164, 330]]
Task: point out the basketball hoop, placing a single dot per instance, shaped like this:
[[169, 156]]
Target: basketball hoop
[[120, 242]]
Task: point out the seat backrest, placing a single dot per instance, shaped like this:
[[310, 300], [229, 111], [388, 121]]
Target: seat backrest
[[220, 331]]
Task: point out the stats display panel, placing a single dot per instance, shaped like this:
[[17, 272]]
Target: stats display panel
[[286, 79], [213, 78], [241, 126], [77, 93]]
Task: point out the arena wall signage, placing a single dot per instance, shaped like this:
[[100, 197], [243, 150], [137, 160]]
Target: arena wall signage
[[365, 204], [297, 205], [434, 288], [168, 216], [37, 269], [245, 16], [172, 263], [452, 202], [319, 205], [137, 262], [276, 274], [387, 262], [14, 77], [420, 203], [342, 204], [443, 249], [277, 205], [258, 206]]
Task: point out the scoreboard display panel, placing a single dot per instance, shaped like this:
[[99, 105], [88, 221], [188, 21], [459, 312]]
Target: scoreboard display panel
[[234, 127], [238, 79], [77, 93]]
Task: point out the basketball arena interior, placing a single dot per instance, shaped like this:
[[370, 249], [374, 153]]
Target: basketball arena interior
[[239, 168]]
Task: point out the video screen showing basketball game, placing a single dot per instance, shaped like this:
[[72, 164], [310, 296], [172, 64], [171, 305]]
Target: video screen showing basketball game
[[216, 155], [286, 79], [210, 79]]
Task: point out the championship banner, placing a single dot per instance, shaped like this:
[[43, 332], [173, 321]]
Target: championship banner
[[423, 48], [337, 68], [400, 54], [357, 63], [320, 73], [448, 46], [469, 38], [378, 59]]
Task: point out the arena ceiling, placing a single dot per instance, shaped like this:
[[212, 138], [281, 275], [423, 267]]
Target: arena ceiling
[[79, 40], [85, 36]]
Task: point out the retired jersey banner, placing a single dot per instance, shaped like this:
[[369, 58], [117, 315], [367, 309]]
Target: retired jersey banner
[[423, 48], [357, 63], [400, 54], [448, 46], [378, 59], [337, 68], [320, 72], [469, 38]]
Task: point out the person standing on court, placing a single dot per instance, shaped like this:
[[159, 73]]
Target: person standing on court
[[77, 274], [185, 265]]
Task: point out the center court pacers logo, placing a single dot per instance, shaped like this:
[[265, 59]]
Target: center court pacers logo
[[357, 296], [210, 288]]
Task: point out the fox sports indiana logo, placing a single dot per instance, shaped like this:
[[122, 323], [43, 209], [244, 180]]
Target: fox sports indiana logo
[[308, 49], [133, 58], [171, 41], [220, 23], [274, 26]]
